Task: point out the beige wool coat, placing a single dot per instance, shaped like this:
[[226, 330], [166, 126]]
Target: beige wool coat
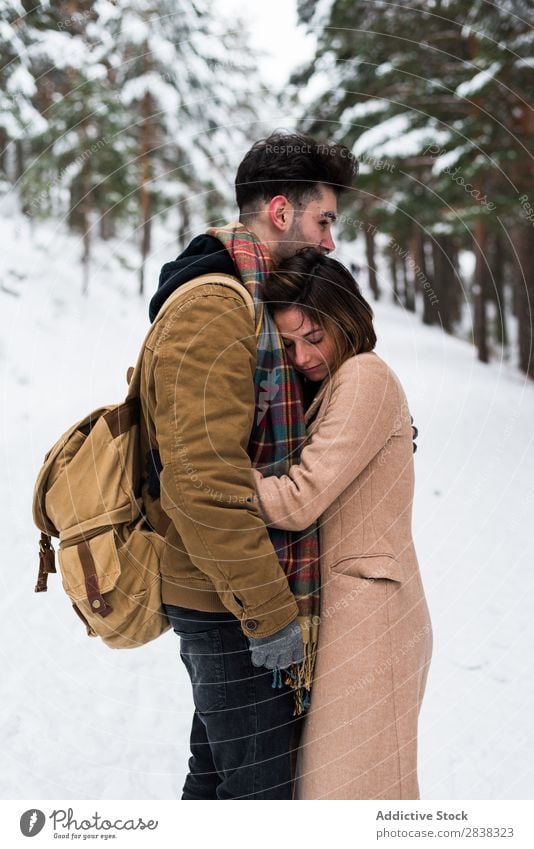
[[356, 474]]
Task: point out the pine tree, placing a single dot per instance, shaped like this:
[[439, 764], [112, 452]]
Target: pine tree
[[181, 89], [19, 119], [143, 104], [442, 124]]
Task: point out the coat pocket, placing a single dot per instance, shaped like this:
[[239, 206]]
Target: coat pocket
[[372, 567]]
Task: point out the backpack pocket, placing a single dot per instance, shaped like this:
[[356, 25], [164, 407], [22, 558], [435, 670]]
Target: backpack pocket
[[94, 473], [114, 584]]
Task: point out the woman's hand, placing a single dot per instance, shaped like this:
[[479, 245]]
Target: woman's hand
[[258, 478]]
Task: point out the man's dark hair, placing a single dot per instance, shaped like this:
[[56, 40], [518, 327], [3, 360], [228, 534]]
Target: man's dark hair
[[291, 164]]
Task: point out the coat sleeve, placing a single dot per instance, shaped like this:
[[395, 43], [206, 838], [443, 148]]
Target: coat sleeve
[[363, 412], [204, 360]]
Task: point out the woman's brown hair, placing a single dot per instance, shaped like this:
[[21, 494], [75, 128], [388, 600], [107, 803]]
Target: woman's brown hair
[[325, 291]]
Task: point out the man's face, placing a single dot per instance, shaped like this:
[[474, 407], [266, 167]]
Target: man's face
[[311, 225]]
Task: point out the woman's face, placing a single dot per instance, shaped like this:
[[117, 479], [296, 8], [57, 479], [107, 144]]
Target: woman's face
[[310, 349]]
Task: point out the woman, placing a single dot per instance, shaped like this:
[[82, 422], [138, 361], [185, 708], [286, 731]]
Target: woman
[[355, 474]]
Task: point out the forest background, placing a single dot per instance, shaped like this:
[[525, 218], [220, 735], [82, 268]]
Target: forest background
[[117, 115]]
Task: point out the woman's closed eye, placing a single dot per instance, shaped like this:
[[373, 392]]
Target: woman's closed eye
[[316, 340]]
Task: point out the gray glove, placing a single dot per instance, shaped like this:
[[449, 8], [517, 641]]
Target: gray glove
[[279, 650]]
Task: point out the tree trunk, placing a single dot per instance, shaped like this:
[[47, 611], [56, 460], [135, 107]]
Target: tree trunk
[[144, 196], [459, 285], [498, 289], [85, 205], [516, 286], [420, 274], [145, 231], [480, 289], [371, 262], [19, 160], [409, 288], [106, 227], [394, 271], [3, 150], [147, 146], [524, 245], [446, 282], [184, 227]]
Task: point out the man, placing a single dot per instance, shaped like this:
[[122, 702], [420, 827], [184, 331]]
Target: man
[[218, 397]]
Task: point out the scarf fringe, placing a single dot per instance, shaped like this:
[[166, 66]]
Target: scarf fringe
[[300, 677]]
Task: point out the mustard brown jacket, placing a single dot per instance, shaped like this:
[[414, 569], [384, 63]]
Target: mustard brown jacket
[[197, 399]]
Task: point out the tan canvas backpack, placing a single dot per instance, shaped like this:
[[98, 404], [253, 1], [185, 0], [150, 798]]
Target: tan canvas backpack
[[88, 495]]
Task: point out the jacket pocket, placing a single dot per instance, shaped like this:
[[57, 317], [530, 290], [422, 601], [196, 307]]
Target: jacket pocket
[[371, 566]]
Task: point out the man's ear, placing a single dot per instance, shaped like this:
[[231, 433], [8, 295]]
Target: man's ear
[[280, 213]]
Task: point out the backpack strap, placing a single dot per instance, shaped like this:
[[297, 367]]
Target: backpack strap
[[223, 280], [46, 563], [134, 374]]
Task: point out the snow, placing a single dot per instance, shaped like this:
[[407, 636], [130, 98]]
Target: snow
[[476, 83], [96, 72], [66, 143], [395, 137], [475, 494], [446, 160], [106, 11], [382, 132], [151, 83], [321, 13], [61, 49], [134, 30], [23, 121], [524, 39], [21, 81], [383, 69], [81, 721], [162, 50], [371, 106]]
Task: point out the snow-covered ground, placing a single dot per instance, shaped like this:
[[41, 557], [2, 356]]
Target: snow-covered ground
[[80, 721]]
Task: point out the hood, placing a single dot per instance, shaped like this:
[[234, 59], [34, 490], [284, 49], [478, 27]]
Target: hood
[[204, 255]]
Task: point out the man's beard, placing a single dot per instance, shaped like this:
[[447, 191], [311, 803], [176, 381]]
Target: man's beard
[[292, 242]]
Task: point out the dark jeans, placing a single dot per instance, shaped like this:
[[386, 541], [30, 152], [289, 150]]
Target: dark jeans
[[243, 728]]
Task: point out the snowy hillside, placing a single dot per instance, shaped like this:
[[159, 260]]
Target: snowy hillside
[[80, 721]]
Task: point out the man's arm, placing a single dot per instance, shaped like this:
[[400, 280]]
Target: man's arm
[[204, 361]]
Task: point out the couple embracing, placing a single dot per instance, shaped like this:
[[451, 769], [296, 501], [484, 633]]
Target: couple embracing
[[280, 447]]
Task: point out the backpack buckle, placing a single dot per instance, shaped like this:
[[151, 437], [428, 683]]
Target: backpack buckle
[[46, 563]]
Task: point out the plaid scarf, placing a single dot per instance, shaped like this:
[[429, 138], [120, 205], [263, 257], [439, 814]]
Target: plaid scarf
[[275, 443]]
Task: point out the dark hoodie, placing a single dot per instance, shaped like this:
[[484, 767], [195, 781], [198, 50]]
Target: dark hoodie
[[204, 255]]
